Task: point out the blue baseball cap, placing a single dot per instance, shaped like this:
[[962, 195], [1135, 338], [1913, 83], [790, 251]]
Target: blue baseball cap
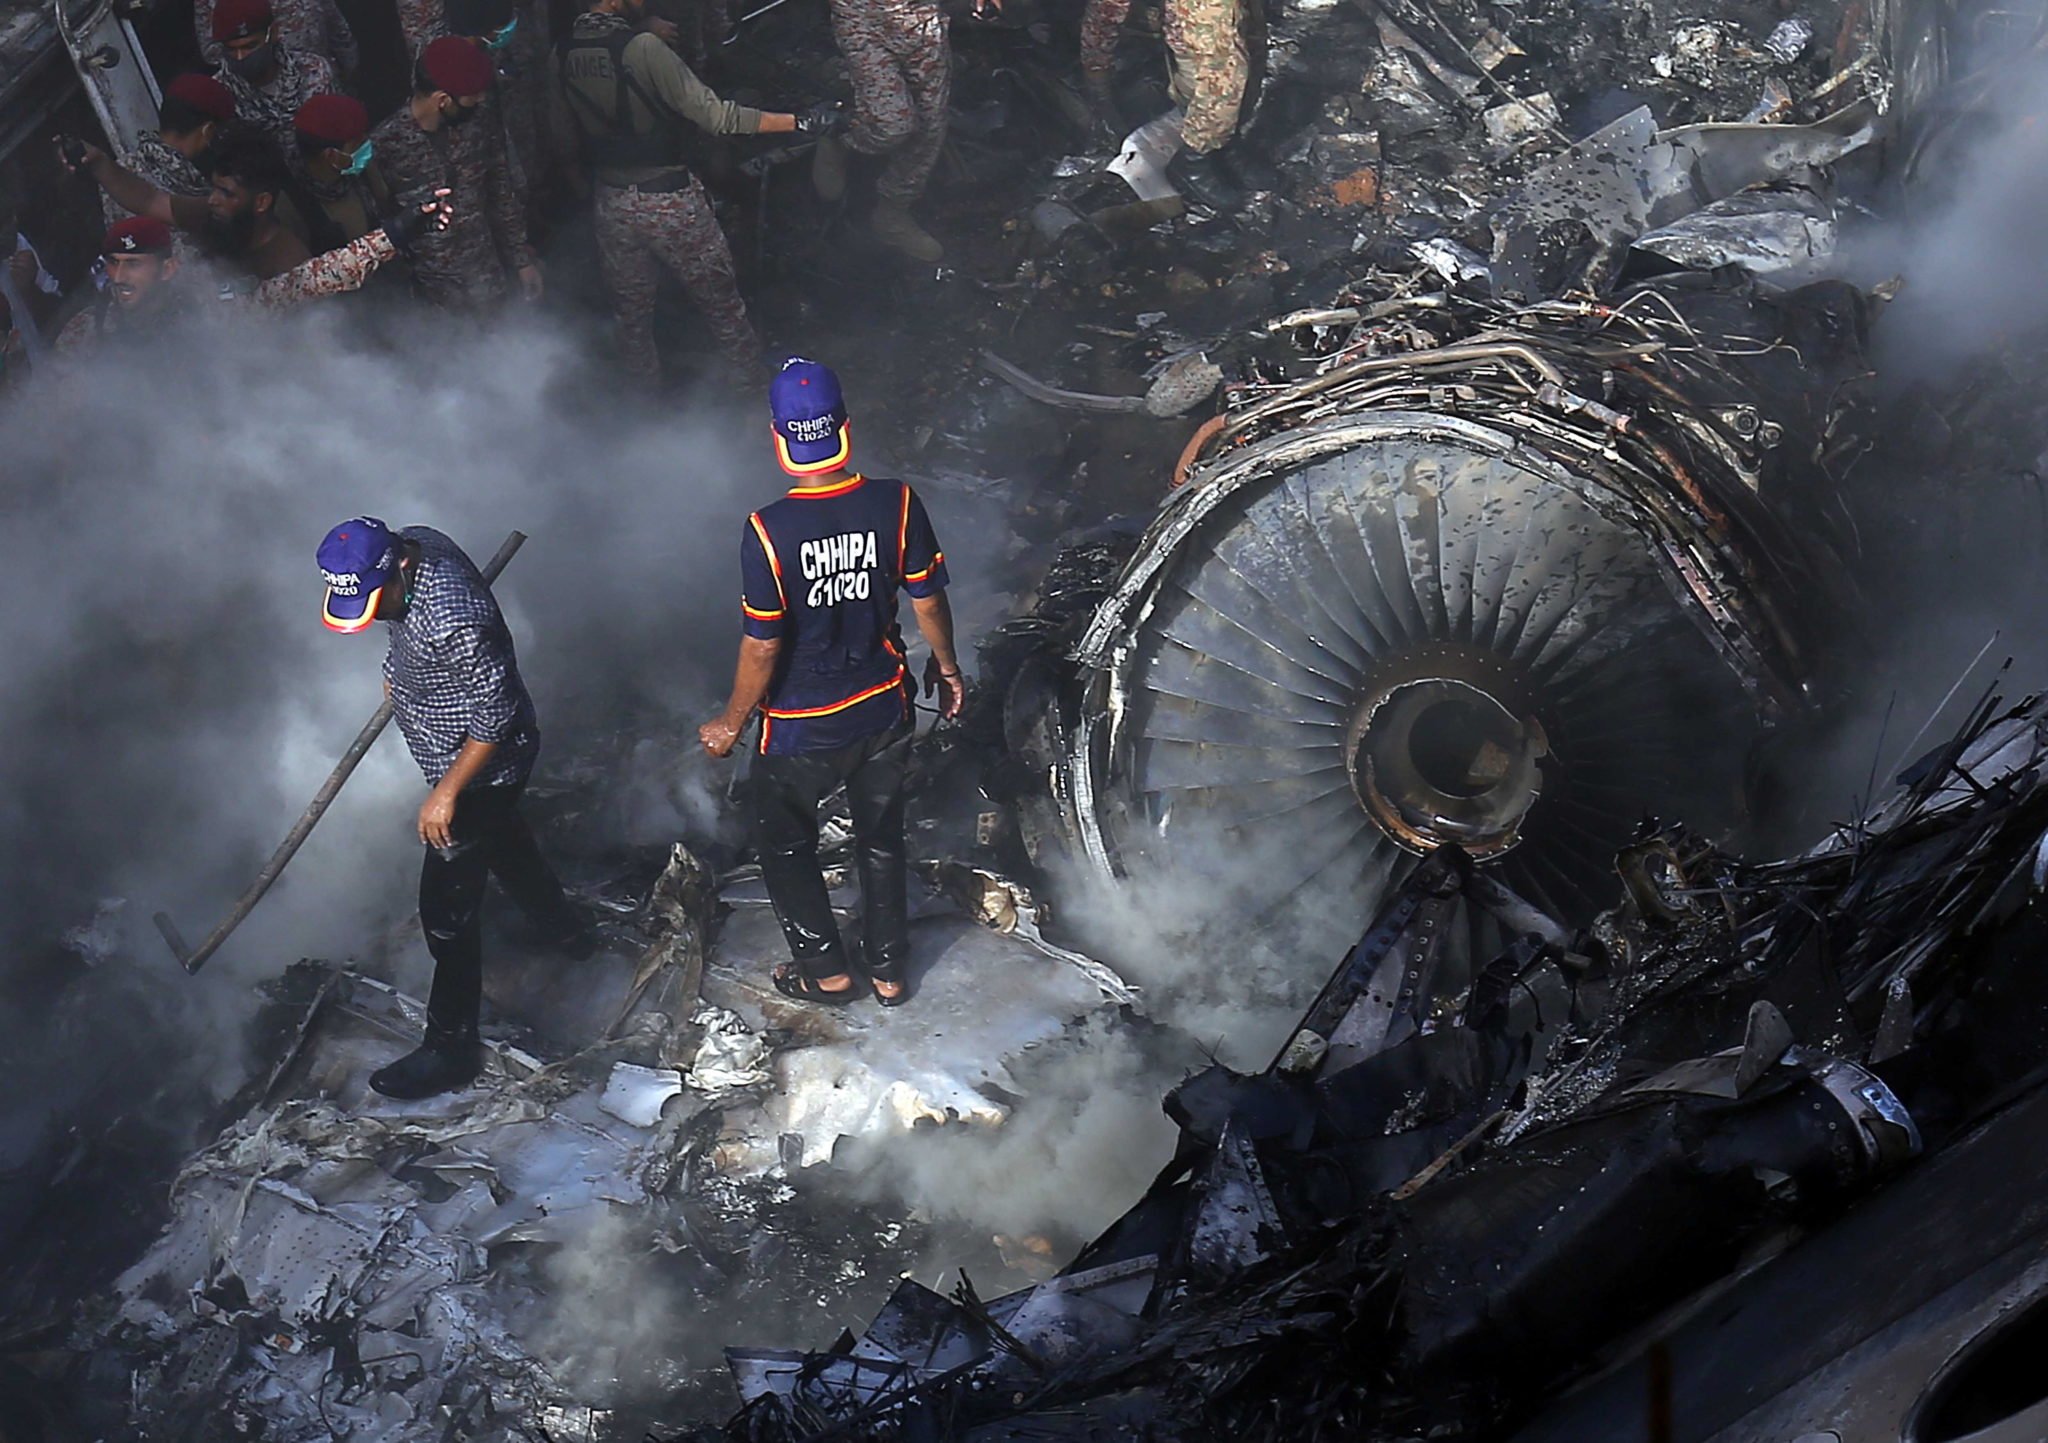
[[358, 558], [810, 418]]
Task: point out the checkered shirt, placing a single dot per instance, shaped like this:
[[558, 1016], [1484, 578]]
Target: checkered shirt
[[452, 670]]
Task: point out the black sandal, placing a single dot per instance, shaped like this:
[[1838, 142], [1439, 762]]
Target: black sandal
[[802, 987], [889, 977]]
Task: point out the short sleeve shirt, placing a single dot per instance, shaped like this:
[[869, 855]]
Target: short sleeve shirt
[[820, 570]]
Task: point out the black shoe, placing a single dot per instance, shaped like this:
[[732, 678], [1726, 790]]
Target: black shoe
[[440, 1064], [1204, 182]]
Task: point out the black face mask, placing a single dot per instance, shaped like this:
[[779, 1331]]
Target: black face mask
[[459, 116], [256, 64]]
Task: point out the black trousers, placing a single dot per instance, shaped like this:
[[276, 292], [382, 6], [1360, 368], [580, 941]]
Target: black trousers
[[489, 838], [787, 793]]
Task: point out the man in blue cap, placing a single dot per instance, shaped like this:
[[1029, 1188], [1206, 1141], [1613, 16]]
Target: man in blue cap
[[466, 717], [822, 658]]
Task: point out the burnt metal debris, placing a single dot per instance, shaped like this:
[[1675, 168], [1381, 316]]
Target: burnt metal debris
[[1452, 570], [1518, 517], [1441, 1203]]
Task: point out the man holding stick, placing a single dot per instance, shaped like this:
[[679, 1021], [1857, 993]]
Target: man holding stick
[[456, 693]]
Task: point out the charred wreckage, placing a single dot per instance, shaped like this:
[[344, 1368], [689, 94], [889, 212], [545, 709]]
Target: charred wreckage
[[1521, 533]]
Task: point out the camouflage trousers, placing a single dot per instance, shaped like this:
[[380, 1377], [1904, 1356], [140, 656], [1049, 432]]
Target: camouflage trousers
[[638, 233], [1210, 69], [902, 72], [1102, 24]]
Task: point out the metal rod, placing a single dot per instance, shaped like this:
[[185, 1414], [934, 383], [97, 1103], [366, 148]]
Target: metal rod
[[1038, 390], [195, 958], [753, 14]]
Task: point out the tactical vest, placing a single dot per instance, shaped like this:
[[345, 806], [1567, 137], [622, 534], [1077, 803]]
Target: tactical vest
[[609, 141]]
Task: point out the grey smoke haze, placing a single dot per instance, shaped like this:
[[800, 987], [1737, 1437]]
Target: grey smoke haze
[[168, 697], [1951, 506]]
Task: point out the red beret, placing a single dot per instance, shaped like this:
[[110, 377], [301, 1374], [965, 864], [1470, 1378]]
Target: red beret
[[332, 120], [137, 235], [233, 19], [203, 93], [456, 66]]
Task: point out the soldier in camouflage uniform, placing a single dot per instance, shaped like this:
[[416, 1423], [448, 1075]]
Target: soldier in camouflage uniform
[[344, 189], [629, 97], [1102, 24], [516, 35], [449, 136], [145, 296], [194, 108], [313, 27], [901, 67], [268, 79], [1209, 70]]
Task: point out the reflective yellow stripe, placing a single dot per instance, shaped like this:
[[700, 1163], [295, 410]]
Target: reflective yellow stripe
[[855, 700], [837, 488], [903, 532], [774, 562]]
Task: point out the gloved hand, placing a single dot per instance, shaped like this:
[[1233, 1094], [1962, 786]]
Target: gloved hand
[[409, 224], [826, 118]]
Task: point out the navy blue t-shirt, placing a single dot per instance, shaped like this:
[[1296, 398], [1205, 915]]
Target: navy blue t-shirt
[[820, 570]]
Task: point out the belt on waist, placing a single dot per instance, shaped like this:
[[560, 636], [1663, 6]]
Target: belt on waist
[[667, 184]]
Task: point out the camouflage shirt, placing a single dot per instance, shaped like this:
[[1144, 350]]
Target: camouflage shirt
[[470, 263], [314, 26], [189, 297], [301, 75]]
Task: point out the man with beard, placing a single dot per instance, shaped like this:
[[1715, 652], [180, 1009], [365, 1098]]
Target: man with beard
[[237, 221], [344, 190], [630, 97], [330, 274], [268, 78], [444, 137]]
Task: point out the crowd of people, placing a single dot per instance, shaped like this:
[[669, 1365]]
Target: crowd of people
[[266, 182]]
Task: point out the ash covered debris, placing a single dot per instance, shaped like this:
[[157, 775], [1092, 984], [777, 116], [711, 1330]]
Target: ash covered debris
[[531, 1254], [1448, 1198]]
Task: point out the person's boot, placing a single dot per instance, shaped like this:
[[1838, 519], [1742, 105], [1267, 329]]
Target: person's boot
[[1203, 180], [444, 1062], [894, 228], [828, 169], [1109, 122]]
